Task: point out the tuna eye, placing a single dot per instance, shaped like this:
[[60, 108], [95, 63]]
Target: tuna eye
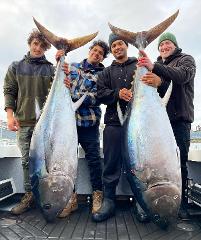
[[175, 197], [47, 206]]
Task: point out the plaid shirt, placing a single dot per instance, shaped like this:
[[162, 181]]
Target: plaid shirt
[[83, 77]]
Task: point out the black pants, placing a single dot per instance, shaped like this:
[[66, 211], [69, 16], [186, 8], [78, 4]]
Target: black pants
[[113, 137], [181, 131], [88, 137]]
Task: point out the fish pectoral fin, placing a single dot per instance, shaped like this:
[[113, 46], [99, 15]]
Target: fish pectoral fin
[[166, 98], [178, 156], [77, 104], [122, 118], [37, 109], [44, 169]]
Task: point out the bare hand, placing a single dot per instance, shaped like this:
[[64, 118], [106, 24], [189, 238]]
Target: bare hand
[[67, 82], [125, 94], [144, 61], [65, 68], [59, 54], [151, 79], [13, 124]]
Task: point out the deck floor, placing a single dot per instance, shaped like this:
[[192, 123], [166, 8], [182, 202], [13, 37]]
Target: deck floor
[[123, 226]]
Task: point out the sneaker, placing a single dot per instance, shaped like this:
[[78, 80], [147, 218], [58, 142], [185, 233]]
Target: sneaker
[[70, 207], [97, 198], [24, 205]]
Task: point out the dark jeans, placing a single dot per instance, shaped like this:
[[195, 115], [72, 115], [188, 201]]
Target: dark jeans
[[181, 131], [88, 137], [113, 138]]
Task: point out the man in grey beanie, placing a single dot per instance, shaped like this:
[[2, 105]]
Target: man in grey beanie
[[173, 65]]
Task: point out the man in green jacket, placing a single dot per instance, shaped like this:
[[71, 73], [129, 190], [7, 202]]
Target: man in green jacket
[[27, 81]]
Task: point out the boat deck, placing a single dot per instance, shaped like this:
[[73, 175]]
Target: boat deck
[[123, 226]]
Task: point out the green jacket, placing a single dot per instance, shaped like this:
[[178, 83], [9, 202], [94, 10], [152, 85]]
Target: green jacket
[[25, 81]]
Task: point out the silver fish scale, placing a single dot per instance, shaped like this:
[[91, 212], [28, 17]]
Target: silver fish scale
[[53, 150], [151, 141], [57, 125]]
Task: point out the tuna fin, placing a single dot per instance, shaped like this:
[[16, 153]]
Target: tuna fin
[[44, 170], [178, 155], [37, 109], [77, 104], [122, 118], [144, 38], [166, 98], [63, 43]]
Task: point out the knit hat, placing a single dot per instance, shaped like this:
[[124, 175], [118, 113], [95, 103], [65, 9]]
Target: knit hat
[[168, 36], [113, 37]]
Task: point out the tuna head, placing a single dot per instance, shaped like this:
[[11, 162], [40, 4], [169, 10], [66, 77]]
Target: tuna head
[[163, 198], [161, 190], [55, 192]]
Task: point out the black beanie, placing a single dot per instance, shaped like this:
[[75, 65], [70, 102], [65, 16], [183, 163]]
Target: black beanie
[[113, 37]]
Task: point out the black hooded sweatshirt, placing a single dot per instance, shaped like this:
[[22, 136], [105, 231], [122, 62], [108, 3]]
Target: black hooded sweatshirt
[[110, 81], [179, 68]]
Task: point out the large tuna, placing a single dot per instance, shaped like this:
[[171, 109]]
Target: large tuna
[[152, 149], [53, 150]]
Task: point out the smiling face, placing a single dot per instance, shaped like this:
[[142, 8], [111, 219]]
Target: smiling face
[[96, 55], [119, 50], [36, 48], [166, 48]]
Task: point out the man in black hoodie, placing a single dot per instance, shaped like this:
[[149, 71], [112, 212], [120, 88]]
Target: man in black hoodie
[[114, 85], [173, 65]]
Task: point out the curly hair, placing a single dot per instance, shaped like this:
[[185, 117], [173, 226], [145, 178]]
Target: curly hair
[[102, 44], [40, 37]]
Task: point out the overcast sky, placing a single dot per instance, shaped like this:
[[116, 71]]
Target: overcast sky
[[75, 18]]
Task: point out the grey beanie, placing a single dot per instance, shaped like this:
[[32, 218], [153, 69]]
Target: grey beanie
[[113, 37]]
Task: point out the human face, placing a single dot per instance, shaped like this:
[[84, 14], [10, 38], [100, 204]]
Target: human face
[[119, 50], [36, 48], [166, 48], [95, 55]]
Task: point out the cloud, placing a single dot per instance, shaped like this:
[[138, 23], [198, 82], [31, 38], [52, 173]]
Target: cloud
[[76, 18]]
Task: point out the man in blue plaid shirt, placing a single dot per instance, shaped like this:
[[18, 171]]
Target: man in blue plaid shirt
[[81, 78]]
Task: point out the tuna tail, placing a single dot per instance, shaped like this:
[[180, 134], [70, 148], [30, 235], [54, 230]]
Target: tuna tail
[[145, 37], [63, 43]]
